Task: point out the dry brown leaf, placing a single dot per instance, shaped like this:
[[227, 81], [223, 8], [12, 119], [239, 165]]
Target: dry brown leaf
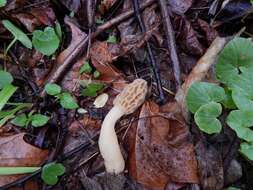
[[14, 151], [161, 151]]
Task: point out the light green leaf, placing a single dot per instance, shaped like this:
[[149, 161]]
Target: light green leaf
[[3, 3], [96, 74], [241, 121], [201, 93], [18, 34], [67, 101], [206, 118], [17, 170], [58, 30], [5, 78], [92, 89], [228, 101], [233, 188], [86, 68], [52, 89], [46, 42], [236, 57], [19, 120], [112, 39], [5, 94], [100, 21], [51, 171], [39, 120], [242, 90], [247, 150]]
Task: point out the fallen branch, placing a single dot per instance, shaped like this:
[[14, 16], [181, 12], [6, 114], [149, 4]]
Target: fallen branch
[[171, 42], [152, 61], [200, 70]]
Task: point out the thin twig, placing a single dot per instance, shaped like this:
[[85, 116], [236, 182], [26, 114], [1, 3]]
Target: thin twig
[[171, 42], [152, 61]]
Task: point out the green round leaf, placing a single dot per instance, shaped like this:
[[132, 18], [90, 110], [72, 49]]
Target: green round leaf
[[51, 171], [17, 33], [247, 150], [242, 90], [46, 42], [96, 74], [241, 121], [206, 118], [5, 78], [237, 56], [233, 188], [228, 102], [86, 68], [39, 120], [52, 89], [67, 101], [201, 93], [19, 120], [3, 3]]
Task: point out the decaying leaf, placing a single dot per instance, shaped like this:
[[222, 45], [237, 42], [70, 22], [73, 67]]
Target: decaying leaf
[[14, 151], [160, 150]]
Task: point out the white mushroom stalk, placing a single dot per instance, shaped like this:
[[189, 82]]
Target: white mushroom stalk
[[132, 96]]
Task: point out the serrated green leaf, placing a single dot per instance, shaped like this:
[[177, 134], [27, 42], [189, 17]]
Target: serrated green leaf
[[5, 94], [235, 57], [17, 170], [46, 42], [52, 89], [206, 118], [5, 78], [18, 34], [112, 39], [19, 120], [241, 121], [201, 93], [39, 120], [67, 101], [86, 68], [51, 171], [3, 3]]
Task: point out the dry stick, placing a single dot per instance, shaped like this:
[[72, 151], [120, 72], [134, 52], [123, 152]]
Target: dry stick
[[57, 73], [200, 71], [171, 42], [152, 61]]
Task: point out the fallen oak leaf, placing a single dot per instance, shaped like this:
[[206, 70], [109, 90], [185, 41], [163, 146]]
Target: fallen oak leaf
[[16, 152]]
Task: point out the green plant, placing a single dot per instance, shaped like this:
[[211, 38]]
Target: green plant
[[66, 100], [5, 94], [18, 35], [3, 3], [47, 41], [86, 68], [17, 170], [36, 120], [112, 39], [234, 70], [49, 174], [233, 188], [5, 78], [91, 89], [51, 171]]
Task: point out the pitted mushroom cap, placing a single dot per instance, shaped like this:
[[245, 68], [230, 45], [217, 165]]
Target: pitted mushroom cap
[[132, 96]]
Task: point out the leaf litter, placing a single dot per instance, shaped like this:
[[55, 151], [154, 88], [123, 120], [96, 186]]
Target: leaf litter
[[163, 147]]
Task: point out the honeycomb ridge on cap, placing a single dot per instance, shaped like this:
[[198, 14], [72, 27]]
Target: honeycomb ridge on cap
[[132, 96]]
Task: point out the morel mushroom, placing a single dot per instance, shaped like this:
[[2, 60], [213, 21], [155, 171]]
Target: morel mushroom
[[132, 96]]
